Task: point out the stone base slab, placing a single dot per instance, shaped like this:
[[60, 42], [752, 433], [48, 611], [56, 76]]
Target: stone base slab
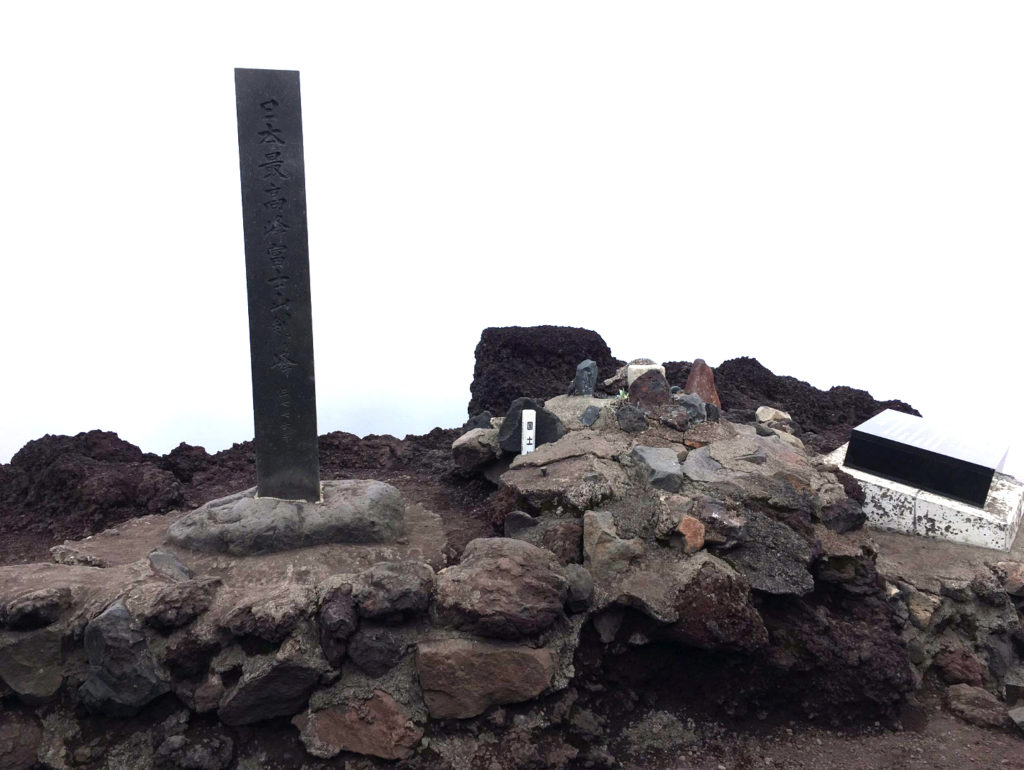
[[901, 508]]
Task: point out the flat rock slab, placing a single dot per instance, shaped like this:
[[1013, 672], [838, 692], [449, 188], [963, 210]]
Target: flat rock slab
[[357, 511]]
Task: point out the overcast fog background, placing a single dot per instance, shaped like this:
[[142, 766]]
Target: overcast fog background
[[834, 189]]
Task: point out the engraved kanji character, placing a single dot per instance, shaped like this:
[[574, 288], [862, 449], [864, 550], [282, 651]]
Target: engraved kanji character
[[268, 107], [283, 364], [284, 307], [273, 166], [278, 282], [275, 203], [275, 226], [270, 135]]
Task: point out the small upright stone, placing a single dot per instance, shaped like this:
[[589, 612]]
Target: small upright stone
[[650, 390], [590, 415], [702, 382], [586, 379]]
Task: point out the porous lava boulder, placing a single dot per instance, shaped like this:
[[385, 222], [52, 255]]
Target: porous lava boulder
[[534, 361], [503, 588]]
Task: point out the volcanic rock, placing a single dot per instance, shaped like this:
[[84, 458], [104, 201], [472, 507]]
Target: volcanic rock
[[773, 557], [976, 705], [586, 379], [533, 361], [503, 588], [379, 726], [576, 483], [631, 419], [20, 739], [36, 609], [477, 447], [462, 678], [650, 390], [30, 663], [510, 434], [701, 381], [662, 466], [394, 589], [337, 621], [243, 524], [122, 675]]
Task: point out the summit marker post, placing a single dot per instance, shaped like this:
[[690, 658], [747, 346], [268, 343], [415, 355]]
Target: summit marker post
[[277, 274]]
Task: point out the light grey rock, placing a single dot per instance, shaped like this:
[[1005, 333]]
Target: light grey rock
[[36, 609], [475, 448], [168, 565], [122, 674], [243, 524], [604, 553], [576, 483], [976, 705], [1017, 715], [770, 414], [570, 411], [663, 469], [581, 588]]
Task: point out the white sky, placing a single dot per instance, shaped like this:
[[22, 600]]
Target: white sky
[[834, 188]]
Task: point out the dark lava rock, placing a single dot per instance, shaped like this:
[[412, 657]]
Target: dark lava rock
[[482, 420], [650, 390], [533, 361], [278, 689], [510, 435], [517, 522], [185, 461], [590, 415], [773, 557], [122, 675], [631, 419], [958, 666], [178, 752], [337, 621], [503, 588], [376, 649], [586, 379]]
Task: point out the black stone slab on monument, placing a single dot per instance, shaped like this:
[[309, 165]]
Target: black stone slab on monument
[[277, 273], [905, 448]]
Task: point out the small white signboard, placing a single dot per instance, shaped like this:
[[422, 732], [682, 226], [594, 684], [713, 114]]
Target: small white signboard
[[529, 430]]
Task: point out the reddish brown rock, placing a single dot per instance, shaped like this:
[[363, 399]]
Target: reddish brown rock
[[1012, 573], [702, 382], [650, 390], [20, 738], [379, 726], [958, 666], [692, 530], [462, 678]]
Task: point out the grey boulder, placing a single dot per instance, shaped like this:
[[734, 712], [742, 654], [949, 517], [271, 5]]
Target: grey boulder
[[242, 524]]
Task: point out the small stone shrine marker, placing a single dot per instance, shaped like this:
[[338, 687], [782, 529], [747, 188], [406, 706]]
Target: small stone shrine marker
[[529, 431], [277, 272], [905, 448]]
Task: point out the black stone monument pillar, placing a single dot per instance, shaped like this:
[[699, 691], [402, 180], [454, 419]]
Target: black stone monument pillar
[[277, 273]]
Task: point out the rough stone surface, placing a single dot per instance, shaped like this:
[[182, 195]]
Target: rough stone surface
[[590, 416], [586, 379], [650, 390], [166, 564], [976, 705], [576, 483], [271, 690], [773, 557], [179, 604], [958, 666], [462, 678], [379, 726], [638, 367], [391, 589], [20, 739], [475, 448], [376, 649], [122, 675], [337, 622], [662, 466], [701, 381], [510, 434], [534, 361], [269, 613], [36, 609], [605, 554], [503, 588], [242, 524], [581, 588], [631, 419], [692, 531], [30, 663], [209, 753], [770, 414]]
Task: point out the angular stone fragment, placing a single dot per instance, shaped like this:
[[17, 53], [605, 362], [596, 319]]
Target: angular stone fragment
[[390, 589], [337, 622], [475, 448], [692, 531], [179, 604], [462, 678], [590, 416], [581, 588], [270, 689], [31, 663], [631, 419], [773, 557], [975, 705], [20, 740], [356, 511], [376, 649], [604, 553], [663, 469], [650, 390], [770, 414], [503, 588], [166, 564], [270, 614], [702, 382], [577, 483], [122, 675], [379, 726], [36, 609]]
